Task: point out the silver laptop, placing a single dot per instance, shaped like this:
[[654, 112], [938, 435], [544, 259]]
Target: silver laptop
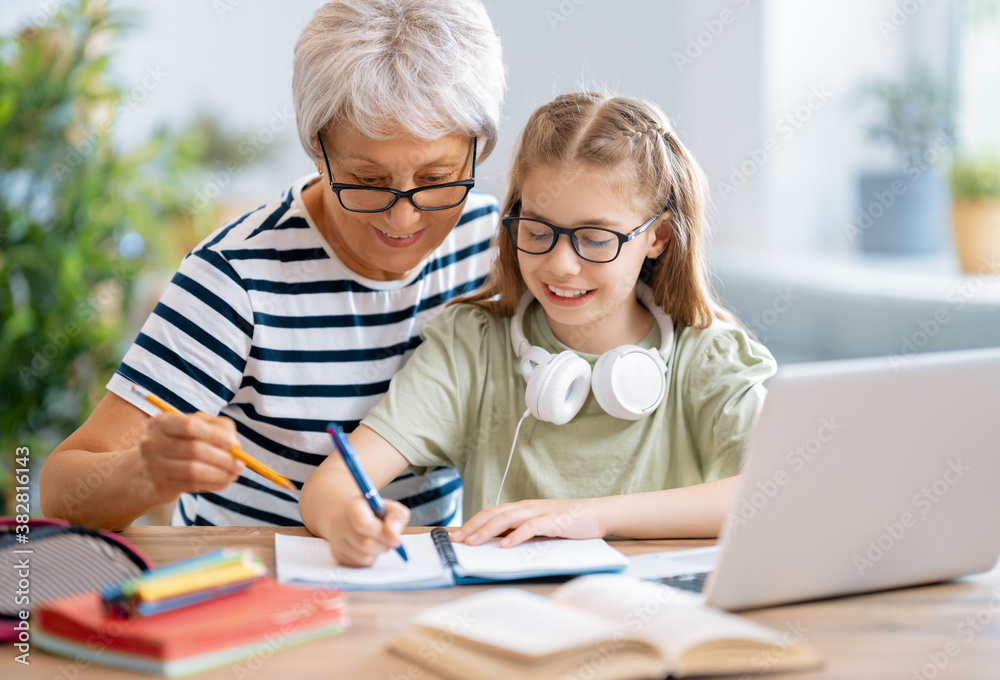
[[861, 475]]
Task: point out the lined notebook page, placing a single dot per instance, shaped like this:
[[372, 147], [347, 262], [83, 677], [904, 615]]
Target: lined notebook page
[[305, 559], [553, 556], [308, 559]]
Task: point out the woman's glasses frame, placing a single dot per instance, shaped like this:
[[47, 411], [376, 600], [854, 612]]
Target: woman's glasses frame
[[393, 194]]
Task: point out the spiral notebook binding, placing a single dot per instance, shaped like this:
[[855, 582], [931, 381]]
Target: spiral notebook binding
[[442, 543]]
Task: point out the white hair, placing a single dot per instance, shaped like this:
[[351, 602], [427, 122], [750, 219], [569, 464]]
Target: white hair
[[426, 67]]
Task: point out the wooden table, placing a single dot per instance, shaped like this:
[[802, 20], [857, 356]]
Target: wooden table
[[942, 631]]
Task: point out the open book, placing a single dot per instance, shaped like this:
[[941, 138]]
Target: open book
[[436, 562], [600, 627]]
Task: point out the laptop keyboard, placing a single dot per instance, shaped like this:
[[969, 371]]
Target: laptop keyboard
[[692, 582]]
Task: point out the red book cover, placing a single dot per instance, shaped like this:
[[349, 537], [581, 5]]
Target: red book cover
[[266, 610]]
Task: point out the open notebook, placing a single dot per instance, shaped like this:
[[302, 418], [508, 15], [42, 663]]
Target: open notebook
[[436, 562]]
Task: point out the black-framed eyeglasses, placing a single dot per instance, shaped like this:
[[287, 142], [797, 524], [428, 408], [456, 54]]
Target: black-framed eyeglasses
[[363, 199], [593, 244]]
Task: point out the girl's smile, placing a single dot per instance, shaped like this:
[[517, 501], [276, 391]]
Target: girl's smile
[[567, 297]]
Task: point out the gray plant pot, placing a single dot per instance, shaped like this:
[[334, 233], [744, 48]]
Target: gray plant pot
[[903, 213]]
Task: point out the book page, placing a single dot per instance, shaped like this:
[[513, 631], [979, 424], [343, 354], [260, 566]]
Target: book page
[[304, 559], [667, 618], [524, 624], [538, 558]]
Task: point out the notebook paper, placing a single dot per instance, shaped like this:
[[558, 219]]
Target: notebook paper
[[536, 558], [301, 559]]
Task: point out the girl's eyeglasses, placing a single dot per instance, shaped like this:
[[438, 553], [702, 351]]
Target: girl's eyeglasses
[[593, 244]]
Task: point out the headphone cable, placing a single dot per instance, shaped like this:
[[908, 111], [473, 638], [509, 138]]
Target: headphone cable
[[511, 456]]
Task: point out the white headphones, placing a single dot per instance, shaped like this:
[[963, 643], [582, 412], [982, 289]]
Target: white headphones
[[627, 381]]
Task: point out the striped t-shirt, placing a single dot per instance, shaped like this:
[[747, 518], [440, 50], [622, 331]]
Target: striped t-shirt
[[264, 324]]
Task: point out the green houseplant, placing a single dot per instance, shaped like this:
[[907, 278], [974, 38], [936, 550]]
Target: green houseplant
[[975, 188], [905, 210], [79, 221]]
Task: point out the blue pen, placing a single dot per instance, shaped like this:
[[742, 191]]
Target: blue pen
[[364, 482]]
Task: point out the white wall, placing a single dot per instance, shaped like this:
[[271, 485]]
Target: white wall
[[552, 47], [979, 78]]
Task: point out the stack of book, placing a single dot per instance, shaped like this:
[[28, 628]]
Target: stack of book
[[188, 617]]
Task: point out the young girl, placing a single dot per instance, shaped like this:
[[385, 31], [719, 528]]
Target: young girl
[[595, 373]]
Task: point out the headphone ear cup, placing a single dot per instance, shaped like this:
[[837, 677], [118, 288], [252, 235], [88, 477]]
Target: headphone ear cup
[[558, 388], [629, 381]]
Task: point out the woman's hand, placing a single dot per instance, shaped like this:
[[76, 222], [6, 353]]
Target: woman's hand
[[572, 518], [186, 453], [356, 536]]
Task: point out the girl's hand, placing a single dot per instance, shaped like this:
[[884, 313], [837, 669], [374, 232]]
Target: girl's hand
[[186, 453], [571, 518], [356, 536]]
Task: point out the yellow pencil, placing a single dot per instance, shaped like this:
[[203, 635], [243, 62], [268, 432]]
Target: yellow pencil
[[181, 584], [251, 462]]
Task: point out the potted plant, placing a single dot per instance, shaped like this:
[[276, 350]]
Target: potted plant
[[80, 221], [906, 210], [975, 188]]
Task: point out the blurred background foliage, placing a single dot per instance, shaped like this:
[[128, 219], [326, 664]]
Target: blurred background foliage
[[912, 113], [977, 176], [81, 221]]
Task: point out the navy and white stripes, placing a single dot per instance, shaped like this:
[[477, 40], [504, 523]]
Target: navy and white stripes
[[263, 324]]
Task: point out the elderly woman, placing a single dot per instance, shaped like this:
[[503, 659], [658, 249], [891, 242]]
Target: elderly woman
[[300, 312]]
